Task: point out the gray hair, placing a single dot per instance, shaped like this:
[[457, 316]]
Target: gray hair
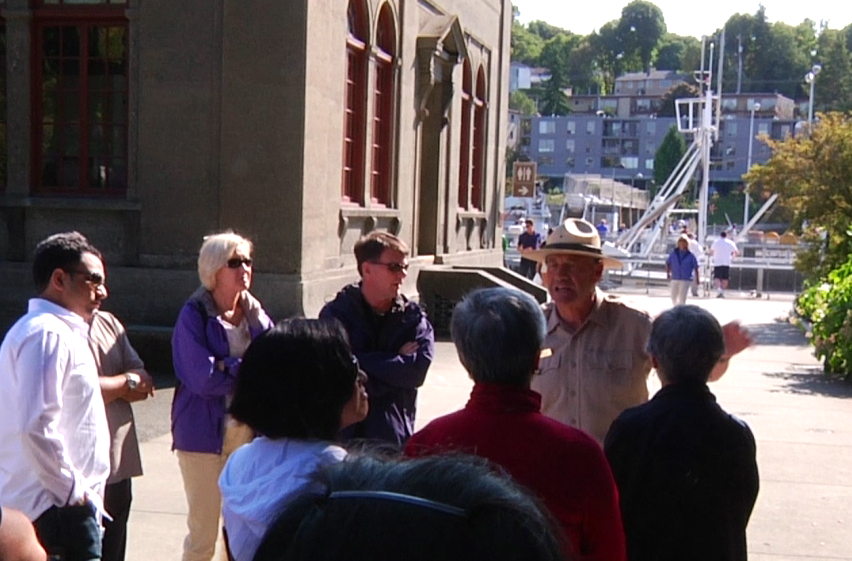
[[498, 333], [687, 342], [215, 252]]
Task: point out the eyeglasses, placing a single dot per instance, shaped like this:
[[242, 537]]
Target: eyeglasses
[[95, 279], [237, 262], [392, 267]]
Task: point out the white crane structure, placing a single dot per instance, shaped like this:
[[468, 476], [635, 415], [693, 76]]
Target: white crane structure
[[698, 117]]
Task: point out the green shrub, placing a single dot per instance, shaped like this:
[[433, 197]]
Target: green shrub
[[826, 309]]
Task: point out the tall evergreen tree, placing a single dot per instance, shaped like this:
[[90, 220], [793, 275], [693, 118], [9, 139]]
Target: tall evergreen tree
[[671, 150]]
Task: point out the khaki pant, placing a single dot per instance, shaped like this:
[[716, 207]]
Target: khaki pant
[[680, 288], [200, 473]]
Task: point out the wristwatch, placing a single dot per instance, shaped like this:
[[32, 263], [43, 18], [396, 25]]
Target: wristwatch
[[133, 380]]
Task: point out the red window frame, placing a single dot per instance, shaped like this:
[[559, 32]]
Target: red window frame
[[383, 108], [71, 4], [478, 157], [87, 125], [355, 109], [464, 141]]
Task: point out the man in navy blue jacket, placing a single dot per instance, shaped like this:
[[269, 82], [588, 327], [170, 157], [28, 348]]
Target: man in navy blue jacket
[[390, 335]]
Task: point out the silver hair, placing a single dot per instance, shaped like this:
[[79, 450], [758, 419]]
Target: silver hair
[[687, 342], [498, 333]]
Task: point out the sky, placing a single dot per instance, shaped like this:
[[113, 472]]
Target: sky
[[683, 18]]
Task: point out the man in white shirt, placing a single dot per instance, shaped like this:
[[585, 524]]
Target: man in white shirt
[[54, 439], [698, 251], [723, 251]]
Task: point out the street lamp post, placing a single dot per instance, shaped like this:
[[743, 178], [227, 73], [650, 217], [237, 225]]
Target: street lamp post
[[810, 78], [754, 107], [638, 176]]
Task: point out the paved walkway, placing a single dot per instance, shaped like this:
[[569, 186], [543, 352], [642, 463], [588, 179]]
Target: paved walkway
[[802, 422]]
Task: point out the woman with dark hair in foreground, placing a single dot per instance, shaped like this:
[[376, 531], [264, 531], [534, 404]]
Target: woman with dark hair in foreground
[[441, 507], [298, 386]]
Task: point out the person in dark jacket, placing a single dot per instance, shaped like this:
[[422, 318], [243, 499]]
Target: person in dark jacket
[[390, 335], [213, 330], [686, 470]]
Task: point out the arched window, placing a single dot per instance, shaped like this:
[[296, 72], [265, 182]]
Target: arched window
[[464, 140], [480, 105], [383, 107], [354, 119]]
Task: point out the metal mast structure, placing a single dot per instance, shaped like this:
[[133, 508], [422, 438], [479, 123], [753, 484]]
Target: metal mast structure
[[695, 116]]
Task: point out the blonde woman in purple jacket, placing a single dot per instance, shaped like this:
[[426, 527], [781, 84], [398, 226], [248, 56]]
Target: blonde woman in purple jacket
[[213, 330]]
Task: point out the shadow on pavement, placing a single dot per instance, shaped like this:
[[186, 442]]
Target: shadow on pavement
[[808, 380], [777, 333]]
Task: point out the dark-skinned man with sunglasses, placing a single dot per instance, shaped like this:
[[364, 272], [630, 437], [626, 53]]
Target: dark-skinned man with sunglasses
[[390, 335], [54, 438]]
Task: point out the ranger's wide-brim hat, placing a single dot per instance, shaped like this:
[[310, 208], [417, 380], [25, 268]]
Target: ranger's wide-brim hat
[[574, 237]]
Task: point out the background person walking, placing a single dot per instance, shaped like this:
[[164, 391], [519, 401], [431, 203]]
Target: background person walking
[[723, 251], [681, 270]]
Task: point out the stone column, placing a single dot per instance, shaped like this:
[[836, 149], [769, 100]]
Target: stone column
[[18, 36]]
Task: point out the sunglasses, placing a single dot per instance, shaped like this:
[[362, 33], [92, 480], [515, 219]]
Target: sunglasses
[[392, 267], [237, 262], [95, 278]]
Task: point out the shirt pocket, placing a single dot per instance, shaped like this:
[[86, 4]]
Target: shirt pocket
[[613, 367], [550, 380]]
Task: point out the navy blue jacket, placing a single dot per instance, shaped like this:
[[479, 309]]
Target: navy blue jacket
[[686, 474], [393, 378]]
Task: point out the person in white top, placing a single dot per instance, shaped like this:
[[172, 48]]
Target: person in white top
[[698, 251], [54, 438], [723, 251], [299, 385]]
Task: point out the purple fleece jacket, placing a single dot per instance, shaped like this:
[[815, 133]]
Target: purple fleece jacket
[[199, 341]]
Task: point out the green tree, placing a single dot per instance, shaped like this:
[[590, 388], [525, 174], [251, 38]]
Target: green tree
[[608, 46], [526, 46], [555, 56], [583, 72], [522, 103], [641, 27], [553, 100], [812, 175], [671, 150], [682, 90], [833, 87], [673, 52], [544, 30]]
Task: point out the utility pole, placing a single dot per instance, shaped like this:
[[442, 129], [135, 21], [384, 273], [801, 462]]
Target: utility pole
[[739, 62]]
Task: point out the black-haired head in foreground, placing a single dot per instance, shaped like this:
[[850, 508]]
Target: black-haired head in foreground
[[441, 507], [300, 380], [59, 251]]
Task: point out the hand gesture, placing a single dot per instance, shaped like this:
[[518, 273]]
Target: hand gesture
[[737, 338], [409, 348], [144, 389]]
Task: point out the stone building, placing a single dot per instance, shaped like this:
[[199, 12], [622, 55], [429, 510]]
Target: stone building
[[302, 124]]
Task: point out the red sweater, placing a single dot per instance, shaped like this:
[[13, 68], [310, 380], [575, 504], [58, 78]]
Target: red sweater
[[565, 467]]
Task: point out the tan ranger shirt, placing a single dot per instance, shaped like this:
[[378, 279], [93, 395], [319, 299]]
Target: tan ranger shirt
[[590, 377], [114, 355]]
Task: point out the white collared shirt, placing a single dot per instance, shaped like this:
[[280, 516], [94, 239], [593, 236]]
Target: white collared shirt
[[54, 438]]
